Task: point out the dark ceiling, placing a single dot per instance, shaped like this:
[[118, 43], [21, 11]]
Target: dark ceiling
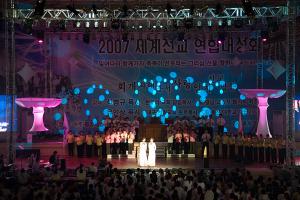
[[153, 3]]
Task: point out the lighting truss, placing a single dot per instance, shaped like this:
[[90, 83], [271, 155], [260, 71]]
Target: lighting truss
[[152, 14]]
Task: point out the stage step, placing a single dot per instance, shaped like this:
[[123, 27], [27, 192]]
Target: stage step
[[180, 155]]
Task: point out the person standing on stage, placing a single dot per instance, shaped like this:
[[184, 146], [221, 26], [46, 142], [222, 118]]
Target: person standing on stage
[[247, 145], [89, 144], [239, 141], [255, 146], [108, 141], [117, 142], [186, 141], [282, 150], [178, 139], [217, 141], [70, 140], [201, 124], [79, 145], [274, 150], [113, 142], [130, 140], [82, 138], [142, 161], [193, 137], [136, 125], [225, 141], [231, 142], [98, 140], [268, 148], [152, 154], [261, 149], [107, 124], [205, 142], [170, 140], [210, 125], [221, 123]]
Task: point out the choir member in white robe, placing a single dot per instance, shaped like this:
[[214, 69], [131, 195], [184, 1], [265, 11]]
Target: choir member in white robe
[[152, 155], [143, 153]]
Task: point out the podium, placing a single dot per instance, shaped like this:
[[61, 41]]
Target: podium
[[156, 131]]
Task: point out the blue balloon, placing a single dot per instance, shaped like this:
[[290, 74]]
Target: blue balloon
[[174, 108], [101, 128], [210, 87], [176, 87], [221, 91], [242, 97], [110, 115], [137, 102], [173, 74], [204, 84], [236, 124], [167, 115], [206, 111], [57, 116], [161, 99], [136, 92], [234, 86], [210, 81], [105, 112], [171, 81], [100, 86], [87, 112], [222, 83], [145, 80], [244, 111], [165, 80], [95, 121], [217, 84], [101, 97], [94, 86], [153, 105], [159, 78], [64, 101], [85, 101], [197, 103], [107, 92], [162, 119], [189, 79], [221, 102], [144, 113], [177, 97], [90, 90], [76, 91], [139, 84]]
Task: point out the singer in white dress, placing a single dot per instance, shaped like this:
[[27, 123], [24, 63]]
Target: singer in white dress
[[152, 155], [143, 153]]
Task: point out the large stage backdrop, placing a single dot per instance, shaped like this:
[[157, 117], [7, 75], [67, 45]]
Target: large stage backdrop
[[148, 75]]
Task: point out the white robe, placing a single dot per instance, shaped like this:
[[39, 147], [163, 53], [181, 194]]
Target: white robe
[[152, 155], [143, 154]]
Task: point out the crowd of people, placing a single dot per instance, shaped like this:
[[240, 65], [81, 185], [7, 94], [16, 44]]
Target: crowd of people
[[119, 137], [189, 136], [102, 181]]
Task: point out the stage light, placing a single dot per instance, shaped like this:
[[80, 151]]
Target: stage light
[[87, 24], [40, 36], [158, 78], [174, 108], [220, 22], [90, 90], [64, 101], [39, 8], [234, 86], [77, 24], [76, 91], [72, 10], [247, 6], [173, 74], [176, 87], [199, 23], [96, 24], [209, 23], [101, 98], [57, 116], [189, 79], [87, 112], [229, 22], [264, 36], [95, 121], [86, 38], [177, 97], [221, 37], [105, 24], [136, 92], [244, 111], [242, 97], [197, 104], [221, 102]]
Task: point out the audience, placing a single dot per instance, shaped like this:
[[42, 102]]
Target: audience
[[105, 182]]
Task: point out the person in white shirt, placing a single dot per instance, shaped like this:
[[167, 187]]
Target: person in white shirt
[[130, 140], [152, 154], [205, 142], [221, 123], [170, 141], [142, 159]]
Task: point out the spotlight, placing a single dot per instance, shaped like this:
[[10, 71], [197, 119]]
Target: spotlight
[[264, 36], [72, 10], [87, 24], [40, 36], [229, 22], [96, 24], [219, 9], [199, 23], [247, 6], [209, 23], [221, 37], [169, 9], [180, 36], [77, 24], [86, 38], [39, 8]]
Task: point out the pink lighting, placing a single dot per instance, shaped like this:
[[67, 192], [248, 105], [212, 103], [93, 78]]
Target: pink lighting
[[262, 96], [219, 42], [38, 105], [40, 41], [264, 39]]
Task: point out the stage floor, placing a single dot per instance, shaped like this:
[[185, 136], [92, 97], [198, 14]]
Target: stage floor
[[184, 163]]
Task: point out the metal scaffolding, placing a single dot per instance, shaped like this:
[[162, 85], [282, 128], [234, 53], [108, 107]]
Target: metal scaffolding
[[290, 82], [152, 14], [10, 73]]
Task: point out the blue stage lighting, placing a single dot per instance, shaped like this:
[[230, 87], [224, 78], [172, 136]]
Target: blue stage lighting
[[242, 97], [236, 124], [76, 91], [210, 88], [100, 86], [105, 112], [137, 102], [222, 102], [158, 78], [162, 99], [221, 91], [57, 116], [101, 97], [153, 105], [85, 101], [234, 86], [176, 87], [95, 121], [173, 74], [136, 92], [90, 90], [197, 103], [189, 79], [87, 112], [144, 113], [177, 97], [101, 128], [64, 101], [174, 108], [244, 111], [222, 83], [107, 92]]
